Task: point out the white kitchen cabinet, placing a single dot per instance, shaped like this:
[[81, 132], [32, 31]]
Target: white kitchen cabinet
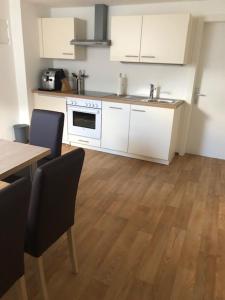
[[55, 35], [125, 36], [115, 126], [151, 38], [151, 131], [54, 104], [165, 38]]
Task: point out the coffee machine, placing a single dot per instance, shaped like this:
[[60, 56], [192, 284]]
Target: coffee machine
[[51, 79]]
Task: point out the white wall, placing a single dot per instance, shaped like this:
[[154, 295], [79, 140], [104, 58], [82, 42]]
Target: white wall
[[34, 65], [8, 90], [20, 64], [103, 74], [19, 59], [174, 80]]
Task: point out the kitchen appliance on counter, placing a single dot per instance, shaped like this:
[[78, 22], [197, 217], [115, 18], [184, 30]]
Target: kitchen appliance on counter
[[51, 79], [84, 120], [79, 82]]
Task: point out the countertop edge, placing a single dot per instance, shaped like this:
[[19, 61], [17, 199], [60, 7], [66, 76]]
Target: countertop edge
[[112, 98]]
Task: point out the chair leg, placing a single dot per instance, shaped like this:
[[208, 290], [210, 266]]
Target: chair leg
[[44, 290], [72, 250], [22, 288]]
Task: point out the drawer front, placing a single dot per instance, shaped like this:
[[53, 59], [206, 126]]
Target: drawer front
[[84, 141]]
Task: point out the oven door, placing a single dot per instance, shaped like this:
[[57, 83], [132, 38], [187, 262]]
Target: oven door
[[84, 121]]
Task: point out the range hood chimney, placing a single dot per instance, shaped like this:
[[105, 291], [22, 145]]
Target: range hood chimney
[[100, 32]]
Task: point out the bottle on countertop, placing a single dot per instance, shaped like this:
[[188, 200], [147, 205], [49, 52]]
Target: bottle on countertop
[[156, 93], [122, 85]]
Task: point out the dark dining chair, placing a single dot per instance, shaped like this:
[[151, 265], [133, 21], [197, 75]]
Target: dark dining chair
[[46, 130], [14, 202], [52, 208]]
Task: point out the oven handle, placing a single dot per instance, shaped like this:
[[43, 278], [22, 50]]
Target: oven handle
[[94, 111]]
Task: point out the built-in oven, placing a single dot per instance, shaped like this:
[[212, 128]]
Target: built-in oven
[[84, 117]]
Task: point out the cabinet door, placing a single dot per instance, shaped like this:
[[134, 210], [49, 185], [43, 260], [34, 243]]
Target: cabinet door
[[54, 104], [56, 36], [150, 131], [115, 126], [165, 38], [126, 38]]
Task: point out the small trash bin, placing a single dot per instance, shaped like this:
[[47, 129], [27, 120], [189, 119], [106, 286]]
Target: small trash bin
[[21, 132]]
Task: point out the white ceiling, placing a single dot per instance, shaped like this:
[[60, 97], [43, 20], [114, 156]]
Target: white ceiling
[[64, 3]]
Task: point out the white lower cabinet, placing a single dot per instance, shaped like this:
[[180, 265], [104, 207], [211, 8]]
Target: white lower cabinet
[[54, 104], [150, 131], [115, 126], [139, 131]]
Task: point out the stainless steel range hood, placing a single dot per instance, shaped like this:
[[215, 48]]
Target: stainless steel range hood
[[100, 32]]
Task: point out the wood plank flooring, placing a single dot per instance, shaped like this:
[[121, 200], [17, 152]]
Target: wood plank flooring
[[143, 232]]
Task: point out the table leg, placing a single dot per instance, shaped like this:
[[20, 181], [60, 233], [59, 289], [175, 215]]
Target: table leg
[[33, 168]]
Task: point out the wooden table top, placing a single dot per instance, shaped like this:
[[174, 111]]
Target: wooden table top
[[16, 156]]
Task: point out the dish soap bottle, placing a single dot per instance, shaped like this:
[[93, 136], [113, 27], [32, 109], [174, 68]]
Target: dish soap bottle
[[122, 85], [156, 93]]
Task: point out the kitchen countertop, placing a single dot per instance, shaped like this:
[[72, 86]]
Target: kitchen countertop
[[111, 98]]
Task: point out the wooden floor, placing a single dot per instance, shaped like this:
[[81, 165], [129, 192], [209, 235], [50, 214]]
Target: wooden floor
[[143, 231]]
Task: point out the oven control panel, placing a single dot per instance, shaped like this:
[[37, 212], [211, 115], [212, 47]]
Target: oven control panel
[[84, 103]]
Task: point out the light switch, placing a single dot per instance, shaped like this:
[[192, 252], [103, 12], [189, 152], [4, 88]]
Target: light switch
[[4, 32]]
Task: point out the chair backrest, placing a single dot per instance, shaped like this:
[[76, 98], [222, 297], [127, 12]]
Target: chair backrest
[[14, 202], [46, 130], [52, 203]]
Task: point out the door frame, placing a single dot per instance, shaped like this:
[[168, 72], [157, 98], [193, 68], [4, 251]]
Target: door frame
[[194, 72]]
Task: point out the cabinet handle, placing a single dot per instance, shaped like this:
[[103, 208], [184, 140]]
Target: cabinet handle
[[67, 53], [83, 141], [138, 110], [113, 107], [148, 56], [200, 95], [131, 56]]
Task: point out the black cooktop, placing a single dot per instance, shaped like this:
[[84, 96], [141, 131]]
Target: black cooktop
[[86, 93], [96, 94]]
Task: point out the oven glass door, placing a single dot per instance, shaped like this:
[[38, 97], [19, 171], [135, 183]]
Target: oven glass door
[[85, 122]]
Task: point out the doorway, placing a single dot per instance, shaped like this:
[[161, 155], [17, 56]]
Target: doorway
[[207, 130]]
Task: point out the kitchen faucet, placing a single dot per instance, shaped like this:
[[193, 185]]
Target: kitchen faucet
[[152, 89]]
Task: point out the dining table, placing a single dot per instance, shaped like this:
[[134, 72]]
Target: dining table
[[16, 156]]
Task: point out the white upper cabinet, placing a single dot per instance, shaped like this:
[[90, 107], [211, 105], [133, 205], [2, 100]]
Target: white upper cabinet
[[165, 39], [151, 38], [56, 34], [125, 36], [115, 126]]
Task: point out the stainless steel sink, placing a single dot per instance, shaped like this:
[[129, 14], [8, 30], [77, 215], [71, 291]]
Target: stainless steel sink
[[168, 101], [131, 97], [143, 99]]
